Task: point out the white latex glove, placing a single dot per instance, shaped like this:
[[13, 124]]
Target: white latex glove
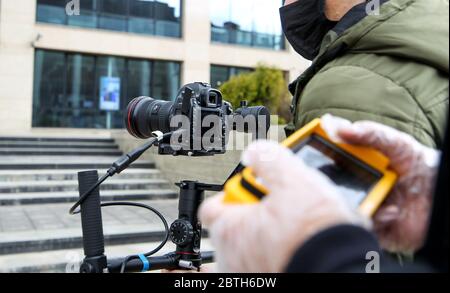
[[402, 222], [263, 237]]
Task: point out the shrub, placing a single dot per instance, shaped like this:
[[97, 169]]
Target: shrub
[[265, 86]]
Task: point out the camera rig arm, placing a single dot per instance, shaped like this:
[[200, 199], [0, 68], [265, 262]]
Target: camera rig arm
[[186, 232], [168, 262]]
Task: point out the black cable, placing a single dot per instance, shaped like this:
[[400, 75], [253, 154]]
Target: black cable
[[156, 212], [118, 167], [88, 193], [125, 262]]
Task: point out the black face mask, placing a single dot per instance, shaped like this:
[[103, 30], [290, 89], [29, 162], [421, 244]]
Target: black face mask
[[305, 25]]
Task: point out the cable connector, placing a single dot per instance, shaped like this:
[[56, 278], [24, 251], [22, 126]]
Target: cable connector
[[158, 135]]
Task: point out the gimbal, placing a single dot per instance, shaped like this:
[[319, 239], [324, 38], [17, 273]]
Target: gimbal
[[185, 232]]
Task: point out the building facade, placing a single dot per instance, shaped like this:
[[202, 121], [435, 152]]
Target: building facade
[[77, 64]]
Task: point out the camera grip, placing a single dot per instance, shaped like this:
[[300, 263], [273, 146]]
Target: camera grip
[[91, 216]]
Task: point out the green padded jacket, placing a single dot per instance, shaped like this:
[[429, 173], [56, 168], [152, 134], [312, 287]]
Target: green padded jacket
[[391, 68]]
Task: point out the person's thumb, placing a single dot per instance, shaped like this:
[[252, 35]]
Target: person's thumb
[[270, 161], [387, 215], [383, 138], [211, 209]]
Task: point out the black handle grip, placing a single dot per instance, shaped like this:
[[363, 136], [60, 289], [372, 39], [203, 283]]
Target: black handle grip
[[167, 262], [91, 216]]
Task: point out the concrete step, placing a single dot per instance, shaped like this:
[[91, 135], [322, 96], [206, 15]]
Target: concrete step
[[68, 260], [11, 162], [58, 175], [71, 238], [8, 199], [62, 145], [72, 185], [56, 139], [37, 228], [59, 151]]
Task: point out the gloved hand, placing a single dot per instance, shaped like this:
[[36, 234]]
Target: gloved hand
[[263, 237], [402, 222]]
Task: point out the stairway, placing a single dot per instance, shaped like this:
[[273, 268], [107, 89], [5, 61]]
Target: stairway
[[38, 184]]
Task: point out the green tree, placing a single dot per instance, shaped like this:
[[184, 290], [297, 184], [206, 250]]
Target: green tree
[[265, 86]]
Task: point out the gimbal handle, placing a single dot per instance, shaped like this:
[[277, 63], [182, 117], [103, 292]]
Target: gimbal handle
[[92, 225], [168, 262], [187, 256]]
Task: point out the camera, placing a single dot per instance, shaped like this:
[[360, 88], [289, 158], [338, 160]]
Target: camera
[[199, 118], [197, 123]]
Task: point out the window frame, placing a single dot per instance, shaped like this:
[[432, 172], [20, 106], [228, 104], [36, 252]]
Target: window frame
[[98, 13], [229, 69], [283, 48], [125, 88]]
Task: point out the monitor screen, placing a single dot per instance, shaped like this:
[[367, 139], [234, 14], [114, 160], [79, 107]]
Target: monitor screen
[[354, 178]]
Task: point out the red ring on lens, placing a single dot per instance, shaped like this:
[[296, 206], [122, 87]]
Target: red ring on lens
[[131, 108]]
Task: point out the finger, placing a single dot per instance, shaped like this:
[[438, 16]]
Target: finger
[[270, 162], [367, 133], [332, 124], [211, 209], [387, 215], [387, 140]]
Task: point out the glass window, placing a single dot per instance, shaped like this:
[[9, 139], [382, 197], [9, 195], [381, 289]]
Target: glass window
[[49, 88], [113, 15], [152, 17], [87, 17], [110, 72], [87, 91], [141, 16], [221, 74], [139, 78], [78, 107], [51, 11], [167, 16], [166, 80], [253, 23]]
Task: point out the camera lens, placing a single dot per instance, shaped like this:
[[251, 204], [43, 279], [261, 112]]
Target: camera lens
[[145, 115], [258, 113]]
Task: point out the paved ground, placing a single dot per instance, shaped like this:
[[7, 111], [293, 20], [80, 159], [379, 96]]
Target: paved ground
[[38, 184], [67, 261], [38, 223], [55, 216]]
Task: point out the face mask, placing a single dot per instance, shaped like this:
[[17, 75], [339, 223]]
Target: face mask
[[305, 25]]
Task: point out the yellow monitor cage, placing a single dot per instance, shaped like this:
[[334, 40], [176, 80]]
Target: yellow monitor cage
[[244, 188]]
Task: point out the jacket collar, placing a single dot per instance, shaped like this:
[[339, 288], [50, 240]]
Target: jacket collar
[[351, 18]]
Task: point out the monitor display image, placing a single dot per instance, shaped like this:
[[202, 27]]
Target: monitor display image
[[354, 178]]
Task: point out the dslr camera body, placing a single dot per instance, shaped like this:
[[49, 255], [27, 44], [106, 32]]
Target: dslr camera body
[[199, 119]]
